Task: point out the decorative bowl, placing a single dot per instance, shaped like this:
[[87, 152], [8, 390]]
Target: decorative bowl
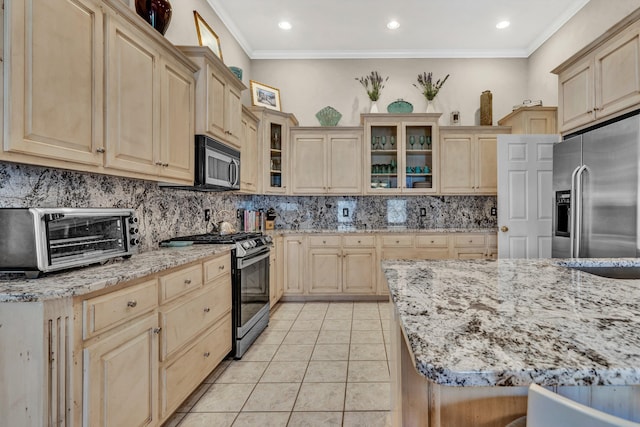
[[237, 71], [400, 106], [328, 116]]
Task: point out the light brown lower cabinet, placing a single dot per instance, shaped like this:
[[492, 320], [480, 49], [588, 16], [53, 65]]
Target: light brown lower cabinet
[[121, 356]]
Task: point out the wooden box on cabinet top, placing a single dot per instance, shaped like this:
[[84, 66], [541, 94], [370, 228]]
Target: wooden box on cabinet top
[[218, 92]]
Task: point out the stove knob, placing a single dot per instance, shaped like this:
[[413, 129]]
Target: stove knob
[[254, 244], [267, 239], [246, 245]]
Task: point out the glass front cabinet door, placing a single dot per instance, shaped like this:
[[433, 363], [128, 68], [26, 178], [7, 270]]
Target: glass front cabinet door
[[402, 153]]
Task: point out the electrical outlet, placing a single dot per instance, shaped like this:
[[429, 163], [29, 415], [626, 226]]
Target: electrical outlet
[[423, 211], [494, 211], [345, 212], [207, 215]]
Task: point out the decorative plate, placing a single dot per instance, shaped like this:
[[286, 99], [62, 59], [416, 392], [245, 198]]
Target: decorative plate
[[237, 71], [328, 116], [400, 106]]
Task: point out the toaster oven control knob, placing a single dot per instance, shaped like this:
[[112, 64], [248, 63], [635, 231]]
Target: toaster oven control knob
[[133, 230], [133, 220], [134, 242]]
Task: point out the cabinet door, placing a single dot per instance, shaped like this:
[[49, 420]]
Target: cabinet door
[[345, 164], [383, 170], [177, 134], [279, 248], [249, 155], [308, 165], [457, 165], [617, 74], [419, 157], [133, 104], [325, 270], [575, 95], [487, 166], [54, 78], [359, 271], [275, 143], [233, 116], [273, 288], [215, 96], [293, 265], [121, 377]]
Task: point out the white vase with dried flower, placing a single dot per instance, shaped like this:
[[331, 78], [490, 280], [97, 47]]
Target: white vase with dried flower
[[430, 89], [373, 83]]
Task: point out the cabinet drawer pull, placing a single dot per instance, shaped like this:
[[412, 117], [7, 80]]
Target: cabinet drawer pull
[[100, 150], [132, 303], [470, 241], [159, 163], [324, 242], [397, 241], [207, 309], [207, 354], [187, 281], [221, 267], [156, 330], [165, 165], [359, 241]]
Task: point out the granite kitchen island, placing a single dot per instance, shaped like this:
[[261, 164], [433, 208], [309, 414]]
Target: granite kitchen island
[[468, 337]]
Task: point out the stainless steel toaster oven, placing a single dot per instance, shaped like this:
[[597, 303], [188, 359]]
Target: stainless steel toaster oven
[[36, 240]]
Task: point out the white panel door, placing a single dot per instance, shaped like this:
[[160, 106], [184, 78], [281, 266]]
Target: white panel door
[[525, 199]]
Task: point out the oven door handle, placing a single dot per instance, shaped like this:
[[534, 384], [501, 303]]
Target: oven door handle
[[252, 260]]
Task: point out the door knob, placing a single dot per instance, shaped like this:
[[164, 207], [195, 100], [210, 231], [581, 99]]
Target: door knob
[[504, 228]]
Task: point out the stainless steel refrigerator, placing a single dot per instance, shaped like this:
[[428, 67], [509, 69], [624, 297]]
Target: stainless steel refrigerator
[[595, 189]]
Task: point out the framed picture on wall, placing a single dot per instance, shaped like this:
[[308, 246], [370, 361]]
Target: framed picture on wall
[[265, 96], [206, 36]]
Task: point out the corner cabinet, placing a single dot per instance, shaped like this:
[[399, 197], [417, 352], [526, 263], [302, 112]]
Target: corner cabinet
[[603, 79], [108, 94], [326, 160], [218, 97], [401, 153], [249, 152], [532, 120], [469, 159], [273, 151]]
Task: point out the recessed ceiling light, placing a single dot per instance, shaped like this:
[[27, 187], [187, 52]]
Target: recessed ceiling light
[[393, 25], [502, 25], [284, 25]]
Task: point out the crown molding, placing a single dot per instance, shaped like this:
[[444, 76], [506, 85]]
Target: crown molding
[[217, 7], [388, 54], [555, 26]]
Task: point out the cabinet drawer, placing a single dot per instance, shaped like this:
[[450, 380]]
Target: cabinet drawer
[[180, 282], [217, 267], [183, 320], [182, 376], [359, 241], [398, 241], [106, 311], [324, 241], [470, 240], [432, 241]]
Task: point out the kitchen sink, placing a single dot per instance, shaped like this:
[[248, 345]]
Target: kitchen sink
[[629, 272]]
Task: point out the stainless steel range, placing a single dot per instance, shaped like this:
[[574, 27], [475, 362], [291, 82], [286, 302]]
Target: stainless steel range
[[250, 282]]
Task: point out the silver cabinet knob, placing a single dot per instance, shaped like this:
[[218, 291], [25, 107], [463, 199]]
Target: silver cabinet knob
[[132, 303], [100, 150]]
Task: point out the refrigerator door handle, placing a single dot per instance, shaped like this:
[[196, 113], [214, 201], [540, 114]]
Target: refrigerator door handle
[[572, 215], [577, 212]]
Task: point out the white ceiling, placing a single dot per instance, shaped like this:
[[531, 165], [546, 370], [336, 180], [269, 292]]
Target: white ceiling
[[428, 28]]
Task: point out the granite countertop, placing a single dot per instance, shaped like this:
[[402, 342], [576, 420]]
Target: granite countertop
[[516, 322], [80, 281], [392, 230]]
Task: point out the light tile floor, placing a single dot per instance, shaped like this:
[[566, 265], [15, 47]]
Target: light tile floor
[[317, 364]]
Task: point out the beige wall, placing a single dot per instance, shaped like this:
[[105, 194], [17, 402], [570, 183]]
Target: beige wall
[[182, 31], [307, 86], [590, 22]]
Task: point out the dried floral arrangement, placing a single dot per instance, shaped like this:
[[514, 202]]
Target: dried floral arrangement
[[427, 87], [373, 83]]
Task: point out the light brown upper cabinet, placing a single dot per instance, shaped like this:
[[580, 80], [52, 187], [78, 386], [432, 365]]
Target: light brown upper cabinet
[[603, 79], [101, 91], [249, 152], [326, 160], [468, 159], [401, 153], [532, 120], [218, 92], [273, 149]]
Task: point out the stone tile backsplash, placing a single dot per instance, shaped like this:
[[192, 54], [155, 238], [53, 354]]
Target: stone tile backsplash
[[165, 212]]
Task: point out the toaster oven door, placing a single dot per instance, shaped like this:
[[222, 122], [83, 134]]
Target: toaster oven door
[[80, 238]]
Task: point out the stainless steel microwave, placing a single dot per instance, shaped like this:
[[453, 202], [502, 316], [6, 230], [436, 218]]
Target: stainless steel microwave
[[217, 167], [36, 240]]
